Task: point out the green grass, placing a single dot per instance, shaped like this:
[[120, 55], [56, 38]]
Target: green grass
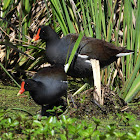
[[9, 99], [16, 122]]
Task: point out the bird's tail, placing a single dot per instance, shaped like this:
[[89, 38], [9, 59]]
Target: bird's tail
[[124, 53]]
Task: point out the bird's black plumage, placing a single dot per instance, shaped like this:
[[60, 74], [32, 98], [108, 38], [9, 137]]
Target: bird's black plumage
[[90, 48], [47, 86]]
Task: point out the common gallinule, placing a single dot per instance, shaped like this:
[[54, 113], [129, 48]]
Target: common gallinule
[[90, 48], [47, 87]]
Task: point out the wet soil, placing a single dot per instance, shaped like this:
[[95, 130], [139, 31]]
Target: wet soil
[[84, 104]]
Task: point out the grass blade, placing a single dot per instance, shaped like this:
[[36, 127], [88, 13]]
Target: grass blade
[[135, 88], [129, 82], [73, 51], [9, 75]]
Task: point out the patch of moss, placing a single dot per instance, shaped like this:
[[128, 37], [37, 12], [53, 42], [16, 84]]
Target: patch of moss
[[9, 99]]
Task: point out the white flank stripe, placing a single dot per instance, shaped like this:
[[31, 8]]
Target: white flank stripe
[[88, 61], [82, 56], [123, 54], [65, 82]]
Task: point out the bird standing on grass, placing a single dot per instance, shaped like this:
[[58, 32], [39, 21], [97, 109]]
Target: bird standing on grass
[[47, 87]]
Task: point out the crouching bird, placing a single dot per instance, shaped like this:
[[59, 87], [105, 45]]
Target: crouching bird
[[46, 88]]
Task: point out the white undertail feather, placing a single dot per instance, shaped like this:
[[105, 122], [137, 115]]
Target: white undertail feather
[[123, 54]]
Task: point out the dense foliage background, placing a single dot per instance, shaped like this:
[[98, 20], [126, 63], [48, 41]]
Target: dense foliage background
[[115, 21]]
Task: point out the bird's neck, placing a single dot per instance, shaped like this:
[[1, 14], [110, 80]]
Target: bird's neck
[[52, 38]]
